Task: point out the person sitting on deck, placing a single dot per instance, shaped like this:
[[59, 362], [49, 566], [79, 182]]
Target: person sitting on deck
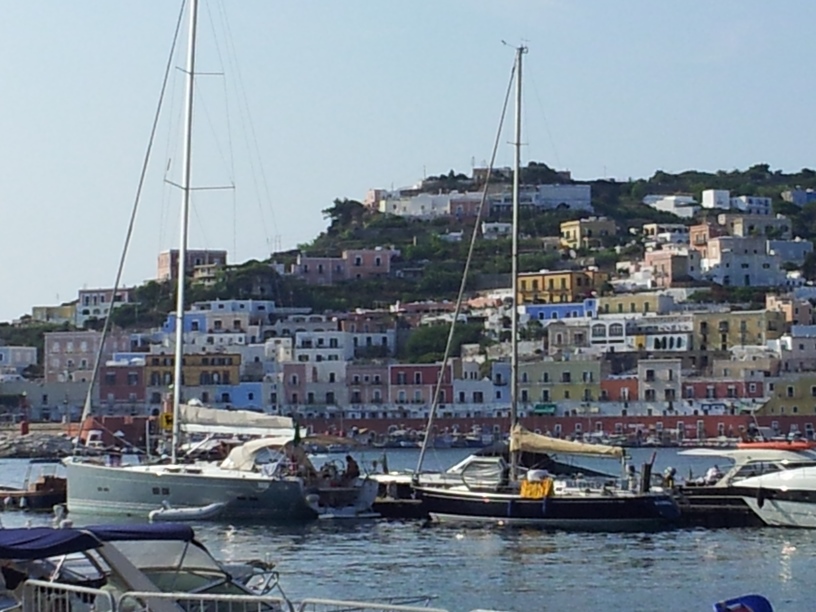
[[712, 475], [352, 469]]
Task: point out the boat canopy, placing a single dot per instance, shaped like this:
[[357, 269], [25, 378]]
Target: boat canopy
[[159, 531], [43, 542], [200, 419], [243, 457], [527, 441]]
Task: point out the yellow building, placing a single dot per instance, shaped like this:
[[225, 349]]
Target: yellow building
[[66, 313], [794, 394], [198, 369], [720, 331], [587, 233], [546, 287], [544, 382], [628, 303]]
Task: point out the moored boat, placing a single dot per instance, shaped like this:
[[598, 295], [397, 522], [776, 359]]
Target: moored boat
[[43, 488]]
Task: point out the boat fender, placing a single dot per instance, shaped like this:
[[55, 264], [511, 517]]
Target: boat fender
[[760, 497], [23, 502]]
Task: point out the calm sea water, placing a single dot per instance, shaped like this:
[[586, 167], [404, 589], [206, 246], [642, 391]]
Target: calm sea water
[[517, 569]]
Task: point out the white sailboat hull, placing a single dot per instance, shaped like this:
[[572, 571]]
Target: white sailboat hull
[[137, 490]]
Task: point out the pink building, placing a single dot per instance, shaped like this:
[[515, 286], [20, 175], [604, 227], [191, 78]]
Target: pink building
[[200, 263], [367, 384], [670, 267], [415, 383], [294, 383], [70, 356], [352, 264], [368, 263]]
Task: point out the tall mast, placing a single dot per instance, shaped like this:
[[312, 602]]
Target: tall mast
[[514, 375], [185, 214]]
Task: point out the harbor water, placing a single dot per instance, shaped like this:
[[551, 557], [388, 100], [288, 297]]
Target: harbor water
[[514, 569]]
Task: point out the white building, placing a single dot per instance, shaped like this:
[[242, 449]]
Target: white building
[[546, 197], [742, 262], [794, 251], [720, 199], [494, 231], [660, 380], [17, 358], [679, 205], [716, 199], [315, 347], [97, 303]]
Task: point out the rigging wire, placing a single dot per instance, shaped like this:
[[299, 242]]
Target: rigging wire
[[460, 297], [230, 146], [86, 410], [546, 123], [248, 127]]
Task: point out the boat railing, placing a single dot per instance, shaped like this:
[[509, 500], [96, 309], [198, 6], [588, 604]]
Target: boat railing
[[145, 601], [339, 605], [39, 595]]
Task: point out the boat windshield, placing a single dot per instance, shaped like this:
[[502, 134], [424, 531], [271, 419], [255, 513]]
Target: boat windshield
[[758, 468]]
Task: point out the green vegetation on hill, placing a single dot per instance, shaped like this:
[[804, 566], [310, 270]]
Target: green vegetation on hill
[[430, 264]]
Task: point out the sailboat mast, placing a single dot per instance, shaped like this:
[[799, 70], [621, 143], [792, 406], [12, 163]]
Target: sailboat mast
[[185, 215], [514, 374]]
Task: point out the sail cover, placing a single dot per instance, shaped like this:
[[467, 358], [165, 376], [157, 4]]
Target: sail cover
[[200, 419], [527, 441]]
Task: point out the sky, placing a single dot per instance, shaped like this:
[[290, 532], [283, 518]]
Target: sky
[[301, 102]]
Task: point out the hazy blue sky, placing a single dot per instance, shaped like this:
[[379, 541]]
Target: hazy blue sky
[[344, 96]]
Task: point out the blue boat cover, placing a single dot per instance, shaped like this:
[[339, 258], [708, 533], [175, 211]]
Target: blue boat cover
[[157, 531], [42, 542]]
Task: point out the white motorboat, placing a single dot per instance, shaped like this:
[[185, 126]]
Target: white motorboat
[[718, 499], [785, 497]]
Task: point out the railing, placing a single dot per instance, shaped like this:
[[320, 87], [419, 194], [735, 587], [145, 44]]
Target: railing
[[146, 601], [337, 605], [39, 596]]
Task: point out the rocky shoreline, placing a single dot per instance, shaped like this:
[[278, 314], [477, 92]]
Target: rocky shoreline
[[35, 445]]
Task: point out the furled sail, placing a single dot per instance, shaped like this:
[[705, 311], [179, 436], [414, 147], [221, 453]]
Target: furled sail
[[527, 441], [200, 419]]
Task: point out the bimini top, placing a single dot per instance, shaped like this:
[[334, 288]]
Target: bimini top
[[158, 531], [523, 440], [43, 542]]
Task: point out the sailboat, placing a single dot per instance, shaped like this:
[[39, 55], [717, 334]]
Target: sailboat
[[269, 478], [505, 495]]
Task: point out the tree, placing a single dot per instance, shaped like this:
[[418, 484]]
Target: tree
[[344, 214]]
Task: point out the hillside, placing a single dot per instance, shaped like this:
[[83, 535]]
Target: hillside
[[430, 267]]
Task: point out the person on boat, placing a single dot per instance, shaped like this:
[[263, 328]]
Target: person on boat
[[713, 475], [352, 469], [631, 477], [668, 477]]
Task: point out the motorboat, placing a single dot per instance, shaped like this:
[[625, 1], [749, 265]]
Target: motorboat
[[161, 568], [718, 499], [785, 497], [122, 567], [44, 486]]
